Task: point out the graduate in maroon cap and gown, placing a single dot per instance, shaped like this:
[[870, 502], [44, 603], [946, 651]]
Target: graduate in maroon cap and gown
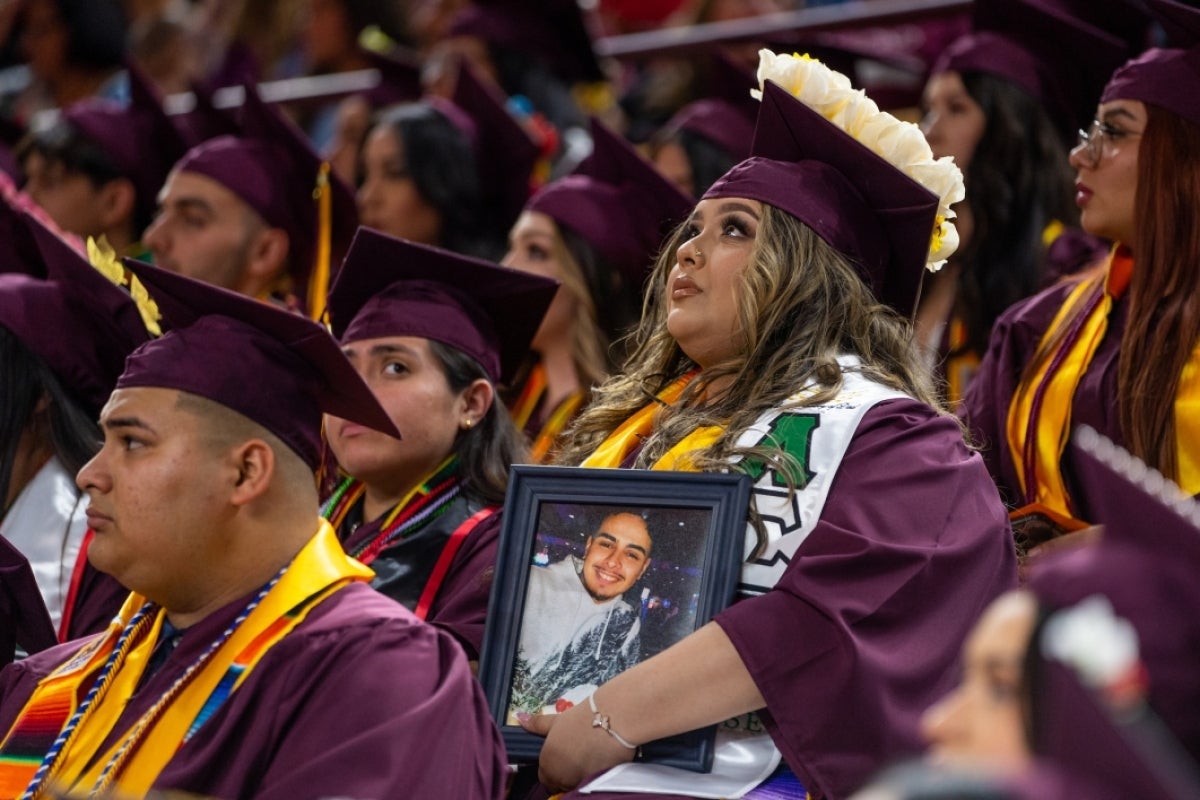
[[1089, 674], [451, 173], [97, 168], [431, 333], [1006, 100], [252, 659], [879, 537], [65, 337], [259, 213], [596, 231], [1117, 351]]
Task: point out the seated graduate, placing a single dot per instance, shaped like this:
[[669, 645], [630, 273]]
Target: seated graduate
[[65, 330], [1119, 350], [259, 213], [772, 343], [431, 333], [97, 166], [252, 659], [597, 231], [1118, 613]]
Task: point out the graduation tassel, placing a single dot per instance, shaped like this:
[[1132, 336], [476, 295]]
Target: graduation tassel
[[318, 282]]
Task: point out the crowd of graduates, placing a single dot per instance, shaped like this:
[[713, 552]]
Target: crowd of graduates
[[288, 288]]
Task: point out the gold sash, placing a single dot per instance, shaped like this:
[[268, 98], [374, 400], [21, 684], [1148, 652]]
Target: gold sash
[[317, 571]]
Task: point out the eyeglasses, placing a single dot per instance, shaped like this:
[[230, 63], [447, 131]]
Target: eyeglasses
[[1092, 139]]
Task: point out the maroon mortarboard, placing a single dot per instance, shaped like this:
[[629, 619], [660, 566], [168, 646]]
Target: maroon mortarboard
[[1090, 749], [618, 202], [726, 114], [270, 365], [1046, 49], [23, 616], [399, 78], [505, 153], [139, 137], [1146, 565], [1166, 77], [76, 320], [273, 168], [553, 31], [393, 287], [859, 203]]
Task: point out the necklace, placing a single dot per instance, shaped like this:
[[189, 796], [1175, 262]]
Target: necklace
[[424, 503]]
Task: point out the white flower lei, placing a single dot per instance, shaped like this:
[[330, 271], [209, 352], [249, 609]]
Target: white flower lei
[[902, 144]]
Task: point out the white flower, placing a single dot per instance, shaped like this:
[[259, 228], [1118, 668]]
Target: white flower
[[1089, 637], [858, 111], [902, 144]]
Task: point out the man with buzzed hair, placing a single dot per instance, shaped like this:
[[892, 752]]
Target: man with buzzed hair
[[578, 630], [252, 659], [257, 213]]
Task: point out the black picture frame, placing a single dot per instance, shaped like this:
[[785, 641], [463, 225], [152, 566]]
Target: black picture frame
[[548, 512]]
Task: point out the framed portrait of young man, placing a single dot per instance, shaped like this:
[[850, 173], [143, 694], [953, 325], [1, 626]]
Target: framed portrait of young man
[[597, 571]]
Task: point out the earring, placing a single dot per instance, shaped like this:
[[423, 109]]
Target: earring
[[467, 423]]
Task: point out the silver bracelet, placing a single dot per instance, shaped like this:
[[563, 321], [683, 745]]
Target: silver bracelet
[[601, 721]]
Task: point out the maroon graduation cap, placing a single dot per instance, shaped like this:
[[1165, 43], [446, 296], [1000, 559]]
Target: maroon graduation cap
[[273, 168], [618, 202], [1043, 46], [1146, 565], [277, 368], [139, 137], [504, 152], [76, 320], [1087, 750], [859, 203], [393, 287], [1166, 77]]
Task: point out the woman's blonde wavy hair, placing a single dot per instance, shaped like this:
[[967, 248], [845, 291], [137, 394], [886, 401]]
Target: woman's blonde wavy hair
[[800, 304]]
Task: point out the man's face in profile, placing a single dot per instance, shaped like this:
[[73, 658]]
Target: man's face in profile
[[616, 556]]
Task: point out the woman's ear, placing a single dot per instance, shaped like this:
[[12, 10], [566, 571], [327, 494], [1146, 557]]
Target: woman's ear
[[477, 399]]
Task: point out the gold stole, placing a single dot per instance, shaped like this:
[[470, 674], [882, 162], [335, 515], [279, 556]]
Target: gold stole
[[318, 570], [629, 435], [1037, 434]]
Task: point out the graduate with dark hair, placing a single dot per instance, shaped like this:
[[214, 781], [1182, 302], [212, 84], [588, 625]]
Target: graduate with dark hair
[[1119, 350], [1006, 100], [251, 659], [775, 342], [431, 333], [98, 167]]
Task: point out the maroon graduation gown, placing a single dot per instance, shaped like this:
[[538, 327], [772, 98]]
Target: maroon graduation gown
[[864, 629], [24, 620], [1014, 341], [360, 700]]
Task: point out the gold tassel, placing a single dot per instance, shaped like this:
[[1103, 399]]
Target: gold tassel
[[318, 281]]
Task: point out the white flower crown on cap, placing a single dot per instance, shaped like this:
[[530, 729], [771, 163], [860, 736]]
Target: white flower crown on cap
[[900, 143]]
